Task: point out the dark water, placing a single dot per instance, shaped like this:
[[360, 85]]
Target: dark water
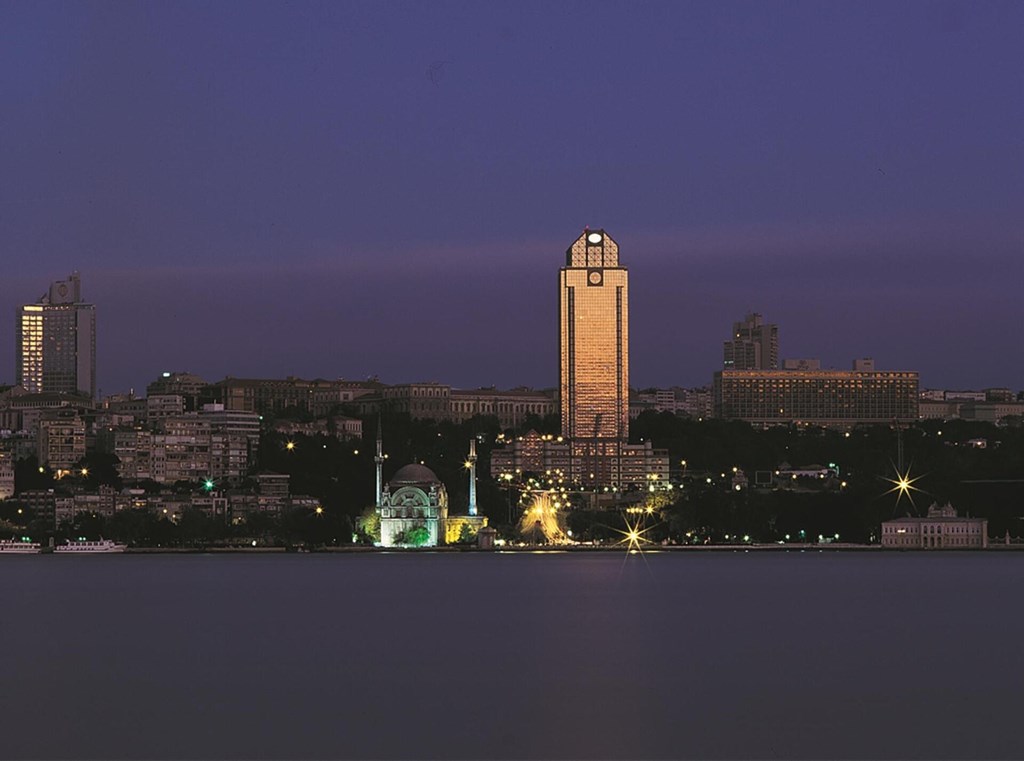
[[774, 655]]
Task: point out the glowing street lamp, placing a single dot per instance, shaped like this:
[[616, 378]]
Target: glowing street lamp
[[290, 446]]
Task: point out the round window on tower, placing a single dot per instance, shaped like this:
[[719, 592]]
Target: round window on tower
[[595, 238]]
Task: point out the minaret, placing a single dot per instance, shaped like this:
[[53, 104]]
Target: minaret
[[379, 459], [471, 464]]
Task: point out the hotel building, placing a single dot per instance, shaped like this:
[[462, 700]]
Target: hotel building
[[837, 398], [593, 304], [56, 342], [638, 465]]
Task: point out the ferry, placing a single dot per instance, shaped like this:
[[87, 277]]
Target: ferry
[[24, 547], [84, 546]]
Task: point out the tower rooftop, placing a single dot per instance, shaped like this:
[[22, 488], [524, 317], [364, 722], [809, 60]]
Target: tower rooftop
[[594, 248]]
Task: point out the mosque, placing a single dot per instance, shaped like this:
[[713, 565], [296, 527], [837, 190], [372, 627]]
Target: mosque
[[413, 505]]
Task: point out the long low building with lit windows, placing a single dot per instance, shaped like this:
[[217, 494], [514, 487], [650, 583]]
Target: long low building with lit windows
[[437, 401], [838, 398], [636, 464], [942, 529]]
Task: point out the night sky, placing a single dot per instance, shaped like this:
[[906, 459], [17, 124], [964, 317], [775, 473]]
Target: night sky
[[349, 189]]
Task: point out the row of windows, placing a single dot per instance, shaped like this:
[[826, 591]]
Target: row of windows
[[933, 541], [540, 408], [397, 393], [957, 528], [408, 512]]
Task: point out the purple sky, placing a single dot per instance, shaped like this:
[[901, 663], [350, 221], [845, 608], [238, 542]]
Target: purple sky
[[348, 189]]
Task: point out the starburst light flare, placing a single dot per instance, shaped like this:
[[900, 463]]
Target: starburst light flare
[[633, 537], [903, 485]]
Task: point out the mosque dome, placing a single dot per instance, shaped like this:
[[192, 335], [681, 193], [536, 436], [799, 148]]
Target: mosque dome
[[414, 474]]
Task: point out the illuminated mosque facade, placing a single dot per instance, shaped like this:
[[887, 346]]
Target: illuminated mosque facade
[[412, 501], [413, 505]]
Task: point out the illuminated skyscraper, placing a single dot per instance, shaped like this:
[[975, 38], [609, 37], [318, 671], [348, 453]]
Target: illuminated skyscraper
[[56, 341], [594, 356]]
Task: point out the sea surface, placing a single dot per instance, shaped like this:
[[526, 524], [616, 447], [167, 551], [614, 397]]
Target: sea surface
[[472, 655]]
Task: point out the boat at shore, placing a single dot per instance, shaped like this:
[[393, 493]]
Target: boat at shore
[[86, 547], [15, 547]]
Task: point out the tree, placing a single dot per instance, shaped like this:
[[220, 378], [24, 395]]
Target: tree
[[416, 536], [98, 468], [368, 524], [28, 476], [197, 528], [466, 534], [88, 525], [135, 526], [262, 525]]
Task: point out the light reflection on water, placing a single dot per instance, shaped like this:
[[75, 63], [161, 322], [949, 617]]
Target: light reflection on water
[[512, 655]]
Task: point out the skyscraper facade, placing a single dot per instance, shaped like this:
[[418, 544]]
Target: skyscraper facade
[[594, 356], [754, 345], [56, 341]]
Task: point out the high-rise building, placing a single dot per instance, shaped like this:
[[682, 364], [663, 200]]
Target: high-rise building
[[56, 341], [754, 345], [594, 356]]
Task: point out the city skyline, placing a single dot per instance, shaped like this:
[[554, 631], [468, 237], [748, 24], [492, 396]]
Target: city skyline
[[260, 203], [349, 479], [260, 365]]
